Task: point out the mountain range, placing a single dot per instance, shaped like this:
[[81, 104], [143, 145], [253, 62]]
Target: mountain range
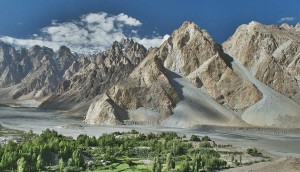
[[252, 79]]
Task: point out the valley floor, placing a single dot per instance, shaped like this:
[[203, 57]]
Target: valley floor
[[289, 164], [237, 158], [278, 144]]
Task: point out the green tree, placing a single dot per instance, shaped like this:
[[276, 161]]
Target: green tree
[[156, 165], [185, 167], [194, 138], [129, 162], [39, 163], [197, 163], [29, 135], [121, 148], [205, 138], [70, 162], [169, 162], [61, 165], [173, 164], [78, 158], [21, 163], [215, 164]]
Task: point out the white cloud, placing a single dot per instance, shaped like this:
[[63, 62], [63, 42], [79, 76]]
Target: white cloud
[[152, 42], [92, 32], [286, 19], [128, 20], [134, 31]]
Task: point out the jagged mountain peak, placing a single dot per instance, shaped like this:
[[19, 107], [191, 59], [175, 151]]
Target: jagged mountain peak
[[297, 27], [35, 48], [64, 49], [89, 76], [124, 51], [125, 41], [270, 53], [124, 45], [23, 50], [286, 26], [190, 27], [204, 85], [7, 48], [38, 50], [188, 59], [255, 25], [188, 48], [253, 40], [189, 80], [3, 44]]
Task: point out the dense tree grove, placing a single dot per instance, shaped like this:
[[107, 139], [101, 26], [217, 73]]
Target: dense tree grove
[[51, 151]]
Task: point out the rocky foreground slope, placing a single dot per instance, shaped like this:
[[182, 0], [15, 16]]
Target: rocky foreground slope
[[251, 79]]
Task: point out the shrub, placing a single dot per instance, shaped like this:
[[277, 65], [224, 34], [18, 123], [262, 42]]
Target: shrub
[[253, 152], [194, 138], [205, 138]]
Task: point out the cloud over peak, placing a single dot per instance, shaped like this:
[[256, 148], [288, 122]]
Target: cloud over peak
[[92, 32], [286, 19]]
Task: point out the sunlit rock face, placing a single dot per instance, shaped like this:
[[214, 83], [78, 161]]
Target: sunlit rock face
[[251, 79], [271, 53], [189, 52]]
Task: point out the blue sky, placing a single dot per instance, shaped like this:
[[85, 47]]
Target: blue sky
[[30, 19]]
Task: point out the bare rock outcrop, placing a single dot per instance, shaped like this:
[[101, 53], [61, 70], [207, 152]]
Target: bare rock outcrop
[[105, 112], [147, 86], [271, 53], [190, 80], [89, 77], [29, 74], [190, 52], [32, 74], [13, 65], [187, 49]]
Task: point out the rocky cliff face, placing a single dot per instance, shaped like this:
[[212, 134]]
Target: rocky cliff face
[[33, 73], [147, 86], [189, 52], [225, 85], [271, 53], [88, 77], [251, 79], [13, 65]]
